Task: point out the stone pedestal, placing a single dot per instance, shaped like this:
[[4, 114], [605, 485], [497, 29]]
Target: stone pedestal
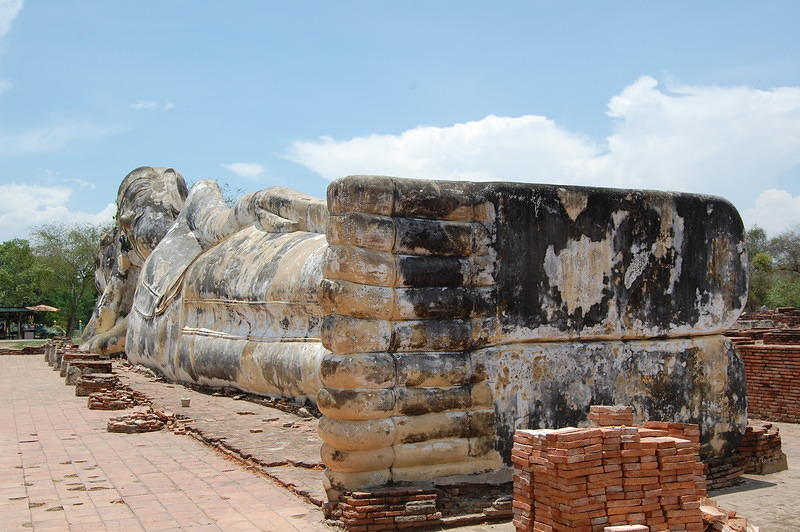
[[457, 313], [77, 368]]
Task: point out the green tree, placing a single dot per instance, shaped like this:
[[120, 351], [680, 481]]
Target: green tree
[[784, 291], [760, 265], [785, 250], [69, 254], [761, 273], [756, 240], [21, 274], [774, 268]]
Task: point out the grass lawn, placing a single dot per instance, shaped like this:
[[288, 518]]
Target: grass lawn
[[19, 344]]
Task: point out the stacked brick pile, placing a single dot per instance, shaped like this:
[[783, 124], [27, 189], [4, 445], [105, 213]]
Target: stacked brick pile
[[389, 510], [587, 479], [609, 416], [686, 431], [761, 449], [722, 472]]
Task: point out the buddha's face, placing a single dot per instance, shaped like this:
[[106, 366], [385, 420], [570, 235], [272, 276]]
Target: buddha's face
[[148, 201]]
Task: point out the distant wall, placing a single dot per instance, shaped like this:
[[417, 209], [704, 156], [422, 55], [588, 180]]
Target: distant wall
[[773, 381]]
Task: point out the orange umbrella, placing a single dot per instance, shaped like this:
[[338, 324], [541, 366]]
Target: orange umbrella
[[43, 308]]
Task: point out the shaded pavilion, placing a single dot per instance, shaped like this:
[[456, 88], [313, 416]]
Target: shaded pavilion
[[14, 319]]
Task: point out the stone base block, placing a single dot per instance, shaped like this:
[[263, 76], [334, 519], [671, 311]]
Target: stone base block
[[688, 380], [77, 368]]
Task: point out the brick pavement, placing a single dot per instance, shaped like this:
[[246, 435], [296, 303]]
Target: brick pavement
[[282, 445], [61, 470], [770, 501]]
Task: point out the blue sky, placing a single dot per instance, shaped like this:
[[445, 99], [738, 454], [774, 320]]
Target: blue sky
[[700, 97]]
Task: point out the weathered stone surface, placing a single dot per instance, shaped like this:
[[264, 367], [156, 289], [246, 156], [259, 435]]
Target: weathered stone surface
[[148, 201], [221, 296], [428, 320], [517, 306], [548, 385]]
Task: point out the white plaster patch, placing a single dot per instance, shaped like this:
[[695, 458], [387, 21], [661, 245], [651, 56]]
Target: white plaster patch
[[618, 217], [636, 267], [677, 246], [714, 315], [574, 202], [578, 271]]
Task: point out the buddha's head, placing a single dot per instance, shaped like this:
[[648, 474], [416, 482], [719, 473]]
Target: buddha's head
[[148, 202]]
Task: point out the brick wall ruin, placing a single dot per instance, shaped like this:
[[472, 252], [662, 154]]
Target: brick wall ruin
[[769, 344]]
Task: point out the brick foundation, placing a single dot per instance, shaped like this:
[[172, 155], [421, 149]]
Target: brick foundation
[[400, 509], [724, 472], [388, 509], [761, 450], [474, 503], [27, 350], [780, 317], [89, 383]]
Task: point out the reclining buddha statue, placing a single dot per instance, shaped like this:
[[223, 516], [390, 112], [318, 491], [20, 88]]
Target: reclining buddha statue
[[428, 320]]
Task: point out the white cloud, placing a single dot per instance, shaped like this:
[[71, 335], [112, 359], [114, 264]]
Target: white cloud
[[9, 9], [149, 105], [81, 183], [729, 141], [23, 207], [702, 139], [246, 170], [528, 147], [4, 85], [50, 138], [775, 211]]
